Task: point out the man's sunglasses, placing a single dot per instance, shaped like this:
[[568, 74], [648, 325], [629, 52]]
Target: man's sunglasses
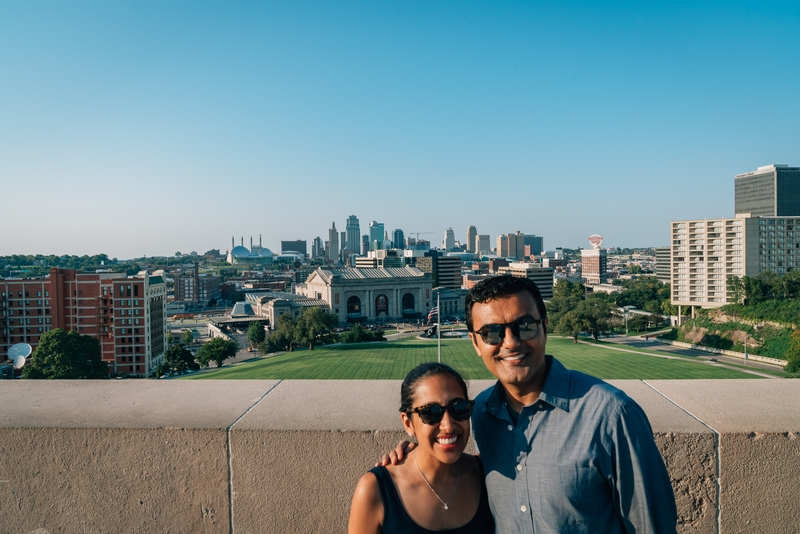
[[432, 414], [524, 328]]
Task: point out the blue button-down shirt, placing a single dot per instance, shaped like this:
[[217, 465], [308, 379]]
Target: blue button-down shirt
[[581, 459]]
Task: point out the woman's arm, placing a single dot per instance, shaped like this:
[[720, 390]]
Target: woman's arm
[[366, 510]]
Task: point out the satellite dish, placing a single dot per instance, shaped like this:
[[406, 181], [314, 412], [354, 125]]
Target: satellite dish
[[19, 361], [20, 349]]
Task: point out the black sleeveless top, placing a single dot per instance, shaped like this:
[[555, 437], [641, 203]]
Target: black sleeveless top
[[396, 519]]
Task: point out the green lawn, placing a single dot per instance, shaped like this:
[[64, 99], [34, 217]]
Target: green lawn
[[393, 360]]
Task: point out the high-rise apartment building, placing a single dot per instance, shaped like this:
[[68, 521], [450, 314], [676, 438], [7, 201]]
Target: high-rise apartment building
[[705, 253], [353, 231], [472, 234], [333, 243], [449, 241], [376, 233], [127, 315], [769, 191]]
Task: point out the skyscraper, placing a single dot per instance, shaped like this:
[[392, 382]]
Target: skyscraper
[[353, 230], [482, 245], [769, 191], [449, 241], [333, 243], [398, 239], [472, 233], [376, 232]]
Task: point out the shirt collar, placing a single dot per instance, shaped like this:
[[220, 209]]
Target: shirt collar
[[555, 391]]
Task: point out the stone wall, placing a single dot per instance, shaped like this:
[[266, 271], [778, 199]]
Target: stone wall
[[272, 456]]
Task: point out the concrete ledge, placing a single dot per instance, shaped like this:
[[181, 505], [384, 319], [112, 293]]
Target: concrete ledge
[[271, 456]]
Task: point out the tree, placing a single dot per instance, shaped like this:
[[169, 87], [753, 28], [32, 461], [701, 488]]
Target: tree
[[188, 337], [66, 355], [570, 324], [178, 360], [170, 338], [793, 355], [256, 334], [314, 324], [596, 314], [217, 350]]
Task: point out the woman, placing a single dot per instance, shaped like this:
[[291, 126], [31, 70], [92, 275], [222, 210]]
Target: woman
[[439, 488]]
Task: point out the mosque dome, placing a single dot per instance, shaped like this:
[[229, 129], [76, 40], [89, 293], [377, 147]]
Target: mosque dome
[[240, 252]]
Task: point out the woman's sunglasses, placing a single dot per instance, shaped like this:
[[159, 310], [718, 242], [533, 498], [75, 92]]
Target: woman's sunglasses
[[524, 328], [460, 410]]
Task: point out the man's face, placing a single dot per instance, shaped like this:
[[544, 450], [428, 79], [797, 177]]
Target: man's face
[[516, 363]]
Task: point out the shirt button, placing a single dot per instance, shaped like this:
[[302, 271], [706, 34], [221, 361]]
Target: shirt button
[[510, 427], [523, 508], [519, 468]]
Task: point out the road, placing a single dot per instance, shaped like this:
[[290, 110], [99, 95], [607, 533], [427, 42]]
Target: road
[[639, 342]]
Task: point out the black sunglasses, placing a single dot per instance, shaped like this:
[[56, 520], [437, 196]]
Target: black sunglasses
[[460, 410], [524, 328]]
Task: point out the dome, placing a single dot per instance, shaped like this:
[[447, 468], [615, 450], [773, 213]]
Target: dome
[[265, 252], [240, 252]]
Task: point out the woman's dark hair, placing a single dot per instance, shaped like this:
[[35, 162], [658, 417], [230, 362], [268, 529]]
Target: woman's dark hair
[[419, 373], [498, 287]]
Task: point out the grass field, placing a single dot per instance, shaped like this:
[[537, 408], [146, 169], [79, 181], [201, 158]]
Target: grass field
[[393, 360]]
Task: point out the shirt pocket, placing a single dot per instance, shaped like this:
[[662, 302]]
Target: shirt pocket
[[575, 498]]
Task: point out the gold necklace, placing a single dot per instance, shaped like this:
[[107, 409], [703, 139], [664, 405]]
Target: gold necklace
[[458, 477]]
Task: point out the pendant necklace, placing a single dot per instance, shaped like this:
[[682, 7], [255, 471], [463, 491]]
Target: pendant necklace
[[458, 477]]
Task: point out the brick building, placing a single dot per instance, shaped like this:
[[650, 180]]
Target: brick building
[[127, 315]]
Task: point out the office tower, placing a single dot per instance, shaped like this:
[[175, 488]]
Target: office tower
[[511, 245], [542, 276], [126, 314], [769, 191], [472, 233], [502, 246], [317, 248], [353, 231], [333, 243], [398, 239], [445, 270], [482, 245], [536, 242], [365, 245], [449, 241], [594, 263], [376, 233]]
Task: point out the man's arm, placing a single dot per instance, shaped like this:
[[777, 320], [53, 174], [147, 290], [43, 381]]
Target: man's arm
[[643, 494], [397, 455]]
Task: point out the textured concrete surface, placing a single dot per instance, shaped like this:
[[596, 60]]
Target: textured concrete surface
[[270, 456]]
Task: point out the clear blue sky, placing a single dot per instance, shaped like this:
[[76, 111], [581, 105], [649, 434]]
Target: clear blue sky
[[148, 127]]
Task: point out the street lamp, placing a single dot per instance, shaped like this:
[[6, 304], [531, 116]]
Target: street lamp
[[439, 321]]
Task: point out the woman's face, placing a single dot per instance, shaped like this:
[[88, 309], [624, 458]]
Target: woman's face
[[446, 439]]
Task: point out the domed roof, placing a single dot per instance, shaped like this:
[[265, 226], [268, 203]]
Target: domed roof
[[265, 252], [240, 252]]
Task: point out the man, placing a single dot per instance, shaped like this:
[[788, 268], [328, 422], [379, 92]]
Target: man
[[562, 451]]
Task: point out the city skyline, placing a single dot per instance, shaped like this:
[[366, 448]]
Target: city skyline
[[148, 128]]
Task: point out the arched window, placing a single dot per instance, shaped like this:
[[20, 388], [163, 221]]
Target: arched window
[[408, 303], [354, 307]]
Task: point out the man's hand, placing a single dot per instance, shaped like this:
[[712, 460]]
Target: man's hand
[[398, 454]]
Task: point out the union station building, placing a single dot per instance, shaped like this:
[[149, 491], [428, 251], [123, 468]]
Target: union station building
[[372, 295]]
